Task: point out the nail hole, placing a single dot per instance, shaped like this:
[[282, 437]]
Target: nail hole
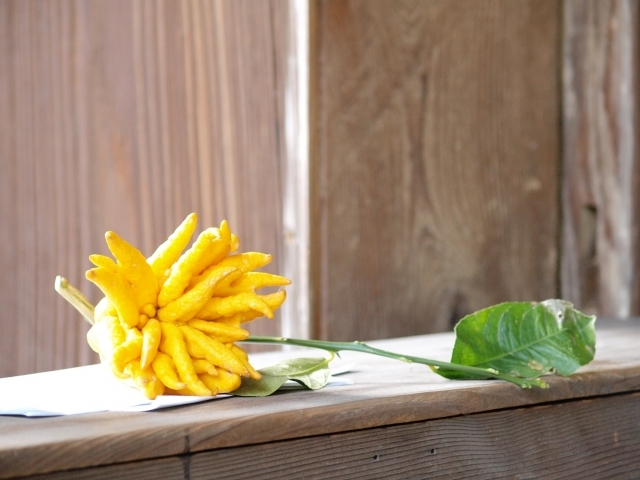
[[376, 457], [433, 451]]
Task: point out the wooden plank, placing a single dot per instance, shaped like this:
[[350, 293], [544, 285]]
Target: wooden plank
[[295, 132], [600, 163], [385, 392], [127, 116], [435, 175], [588, 439]]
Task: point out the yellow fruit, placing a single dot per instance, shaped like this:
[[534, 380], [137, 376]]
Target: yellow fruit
[[167, 324]]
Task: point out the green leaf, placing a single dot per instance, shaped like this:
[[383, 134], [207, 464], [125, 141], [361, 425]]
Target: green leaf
[[259, 388], [313, 373], [314, 380], [524, 339]]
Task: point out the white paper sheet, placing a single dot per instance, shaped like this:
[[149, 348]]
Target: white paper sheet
[[88, 389]]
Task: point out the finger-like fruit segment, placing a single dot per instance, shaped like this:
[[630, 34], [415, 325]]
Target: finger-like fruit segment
[[200, 345], [172, 343], [219, 307], [151, 334], [166, 371], [224, 382], [135, 269], [167, 253], [184, 269], [119, 292], [186, 306], [222, 332]]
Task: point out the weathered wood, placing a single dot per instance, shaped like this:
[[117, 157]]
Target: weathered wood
[[295, 182], [435, 176], [127, 116], [385, 393], [588, 439], [601, 172]]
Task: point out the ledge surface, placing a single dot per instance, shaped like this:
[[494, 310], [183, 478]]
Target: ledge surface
[[385, 392]]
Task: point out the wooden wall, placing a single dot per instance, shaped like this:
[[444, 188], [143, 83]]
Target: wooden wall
[[461, 153], [126, 116], [437, 161], [601, 198]]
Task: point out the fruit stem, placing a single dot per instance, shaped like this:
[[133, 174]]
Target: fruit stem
[[433, 364], [75, 298]]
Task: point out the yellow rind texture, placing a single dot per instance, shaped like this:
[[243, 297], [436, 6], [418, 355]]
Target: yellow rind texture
[[168, 323]]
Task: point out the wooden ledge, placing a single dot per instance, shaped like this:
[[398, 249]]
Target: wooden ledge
[[386, 392]]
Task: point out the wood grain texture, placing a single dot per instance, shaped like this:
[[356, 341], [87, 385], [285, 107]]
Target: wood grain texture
[[127, 116], [589, 439], [385, 392], [600, 162], [436, 172]]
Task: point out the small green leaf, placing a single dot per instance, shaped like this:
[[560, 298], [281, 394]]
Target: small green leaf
[[314, 380], [259, 388], [311, 372], [524, 339], [296, 366]]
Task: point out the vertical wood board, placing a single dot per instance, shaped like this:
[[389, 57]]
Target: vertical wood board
[[600, 198], [437, 149]]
